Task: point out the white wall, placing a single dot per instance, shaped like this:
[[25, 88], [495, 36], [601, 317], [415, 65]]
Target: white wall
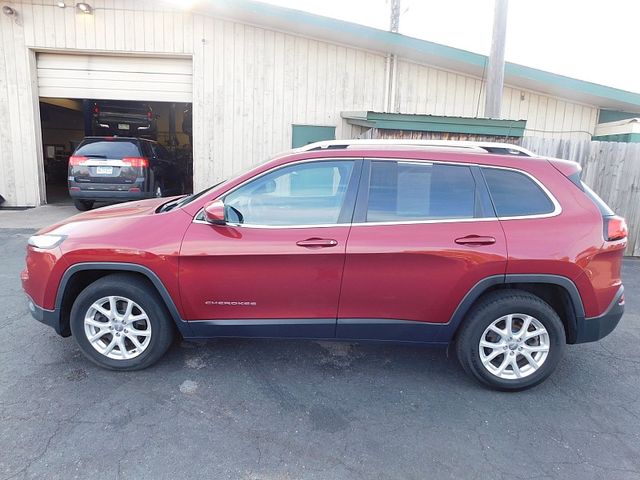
[[429, 90], [250, 85]]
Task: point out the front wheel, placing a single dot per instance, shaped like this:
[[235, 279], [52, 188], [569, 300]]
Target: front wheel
[[120, 323], [511, 340]]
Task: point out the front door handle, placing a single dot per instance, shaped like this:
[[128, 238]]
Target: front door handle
[[474, 240], [317, 243]]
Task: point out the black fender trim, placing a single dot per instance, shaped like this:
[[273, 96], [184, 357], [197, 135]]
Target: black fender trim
[[469, 299], [577, 322], [183, 326]]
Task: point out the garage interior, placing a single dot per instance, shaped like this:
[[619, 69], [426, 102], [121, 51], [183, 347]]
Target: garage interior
[[66, 121], [72, 86]]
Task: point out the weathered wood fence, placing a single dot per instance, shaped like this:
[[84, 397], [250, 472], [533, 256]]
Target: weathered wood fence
[[612, 169]]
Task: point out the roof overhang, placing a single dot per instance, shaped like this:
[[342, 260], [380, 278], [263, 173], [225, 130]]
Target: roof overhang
[[436, 123], [421, 51], [630, 125]]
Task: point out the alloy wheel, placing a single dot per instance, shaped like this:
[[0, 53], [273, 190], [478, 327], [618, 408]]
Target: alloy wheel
[[117, 327], [514, 346]]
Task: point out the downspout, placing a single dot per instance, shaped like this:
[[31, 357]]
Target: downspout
[[390, 84], [394, 82], [387, 83]]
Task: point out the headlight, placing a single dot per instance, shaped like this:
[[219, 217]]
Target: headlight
[[46, 241]]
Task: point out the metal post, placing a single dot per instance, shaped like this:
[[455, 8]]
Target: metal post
[[394, 23], [495, 74]]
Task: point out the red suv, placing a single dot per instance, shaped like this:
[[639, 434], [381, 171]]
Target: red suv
[[505, 256]]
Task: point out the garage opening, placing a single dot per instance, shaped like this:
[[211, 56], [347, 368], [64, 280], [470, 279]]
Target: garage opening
[[142, 98], [66, 122]]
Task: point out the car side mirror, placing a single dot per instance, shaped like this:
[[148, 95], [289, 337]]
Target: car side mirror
[[214, 213]]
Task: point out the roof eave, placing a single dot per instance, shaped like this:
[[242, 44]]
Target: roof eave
[[421, 51]]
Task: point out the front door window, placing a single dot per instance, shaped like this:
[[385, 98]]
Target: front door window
[[302, 194]]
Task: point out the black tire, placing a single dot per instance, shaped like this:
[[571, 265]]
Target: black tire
[[83, 205], [142, 293], [494, 306]]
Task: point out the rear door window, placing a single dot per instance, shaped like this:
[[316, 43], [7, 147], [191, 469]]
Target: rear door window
[[515, 194], [414, 191], [111, 149]]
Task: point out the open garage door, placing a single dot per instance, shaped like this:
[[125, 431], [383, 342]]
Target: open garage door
[[115, 77]]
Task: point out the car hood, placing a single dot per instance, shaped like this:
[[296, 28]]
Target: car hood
[[118, 211]]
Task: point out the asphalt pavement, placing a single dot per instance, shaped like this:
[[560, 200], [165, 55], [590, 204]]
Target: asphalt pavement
[[267, 410]]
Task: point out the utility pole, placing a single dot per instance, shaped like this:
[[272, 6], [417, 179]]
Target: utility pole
[[495, 74], [394, 23]]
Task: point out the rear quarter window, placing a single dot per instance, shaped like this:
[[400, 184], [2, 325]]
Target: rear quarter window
[[515, 194], [605, 210], [112, 149]]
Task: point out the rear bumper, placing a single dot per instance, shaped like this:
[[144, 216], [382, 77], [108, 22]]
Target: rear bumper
[[109, 195], [51, 318], [595, 328]]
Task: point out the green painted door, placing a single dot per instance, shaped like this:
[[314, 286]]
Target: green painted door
[[305, 134]]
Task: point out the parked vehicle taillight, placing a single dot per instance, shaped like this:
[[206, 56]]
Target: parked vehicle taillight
[[150, 115], [615, 228], [75, 160], [136, 161], [96, 109]]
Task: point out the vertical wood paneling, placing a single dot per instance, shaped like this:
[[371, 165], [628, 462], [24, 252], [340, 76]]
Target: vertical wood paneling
[[250, 85], [447, 93]]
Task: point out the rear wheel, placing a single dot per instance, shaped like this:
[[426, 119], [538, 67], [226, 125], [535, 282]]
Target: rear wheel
[[511, 340], [83, 205], [120, 322]]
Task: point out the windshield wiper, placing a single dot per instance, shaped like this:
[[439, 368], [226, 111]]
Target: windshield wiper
[[171, 205]]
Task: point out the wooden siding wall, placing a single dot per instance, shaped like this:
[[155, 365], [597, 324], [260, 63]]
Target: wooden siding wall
[[255, 83], [424, 89], [612, 169], [250, 84]]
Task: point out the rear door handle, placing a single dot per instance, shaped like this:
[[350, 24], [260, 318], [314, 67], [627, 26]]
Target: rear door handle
[[317, 243], [473, 240]]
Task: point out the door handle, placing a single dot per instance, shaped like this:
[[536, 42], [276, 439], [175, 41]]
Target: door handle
[[474, 240], [317, 243]]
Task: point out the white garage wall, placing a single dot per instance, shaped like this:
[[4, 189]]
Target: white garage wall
[[424, 89], [250, 84], [124, 27], [259, 82]]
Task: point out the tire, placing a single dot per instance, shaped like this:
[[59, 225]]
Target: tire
[[490, 316], [83, 205], [148, 308]]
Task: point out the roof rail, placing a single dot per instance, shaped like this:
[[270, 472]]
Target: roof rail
[[487, 147]]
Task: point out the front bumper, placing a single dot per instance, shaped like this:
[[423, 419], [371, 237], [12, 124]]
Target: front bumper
[[595, 328], [51, 318]]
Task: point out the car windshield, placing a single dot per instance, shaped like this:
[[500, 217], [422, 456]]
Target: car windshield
[[195, 196], [112, 149]]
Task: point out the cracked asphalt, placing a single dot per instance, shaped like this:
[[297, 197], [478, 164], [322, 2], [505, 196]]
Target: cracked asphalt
[[267, 410]]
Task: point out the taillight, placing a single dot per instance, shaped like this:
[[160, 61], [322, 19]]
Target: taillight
[[96, 109], [75, 160], [136, 161], [150, 115], [615, 228]]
